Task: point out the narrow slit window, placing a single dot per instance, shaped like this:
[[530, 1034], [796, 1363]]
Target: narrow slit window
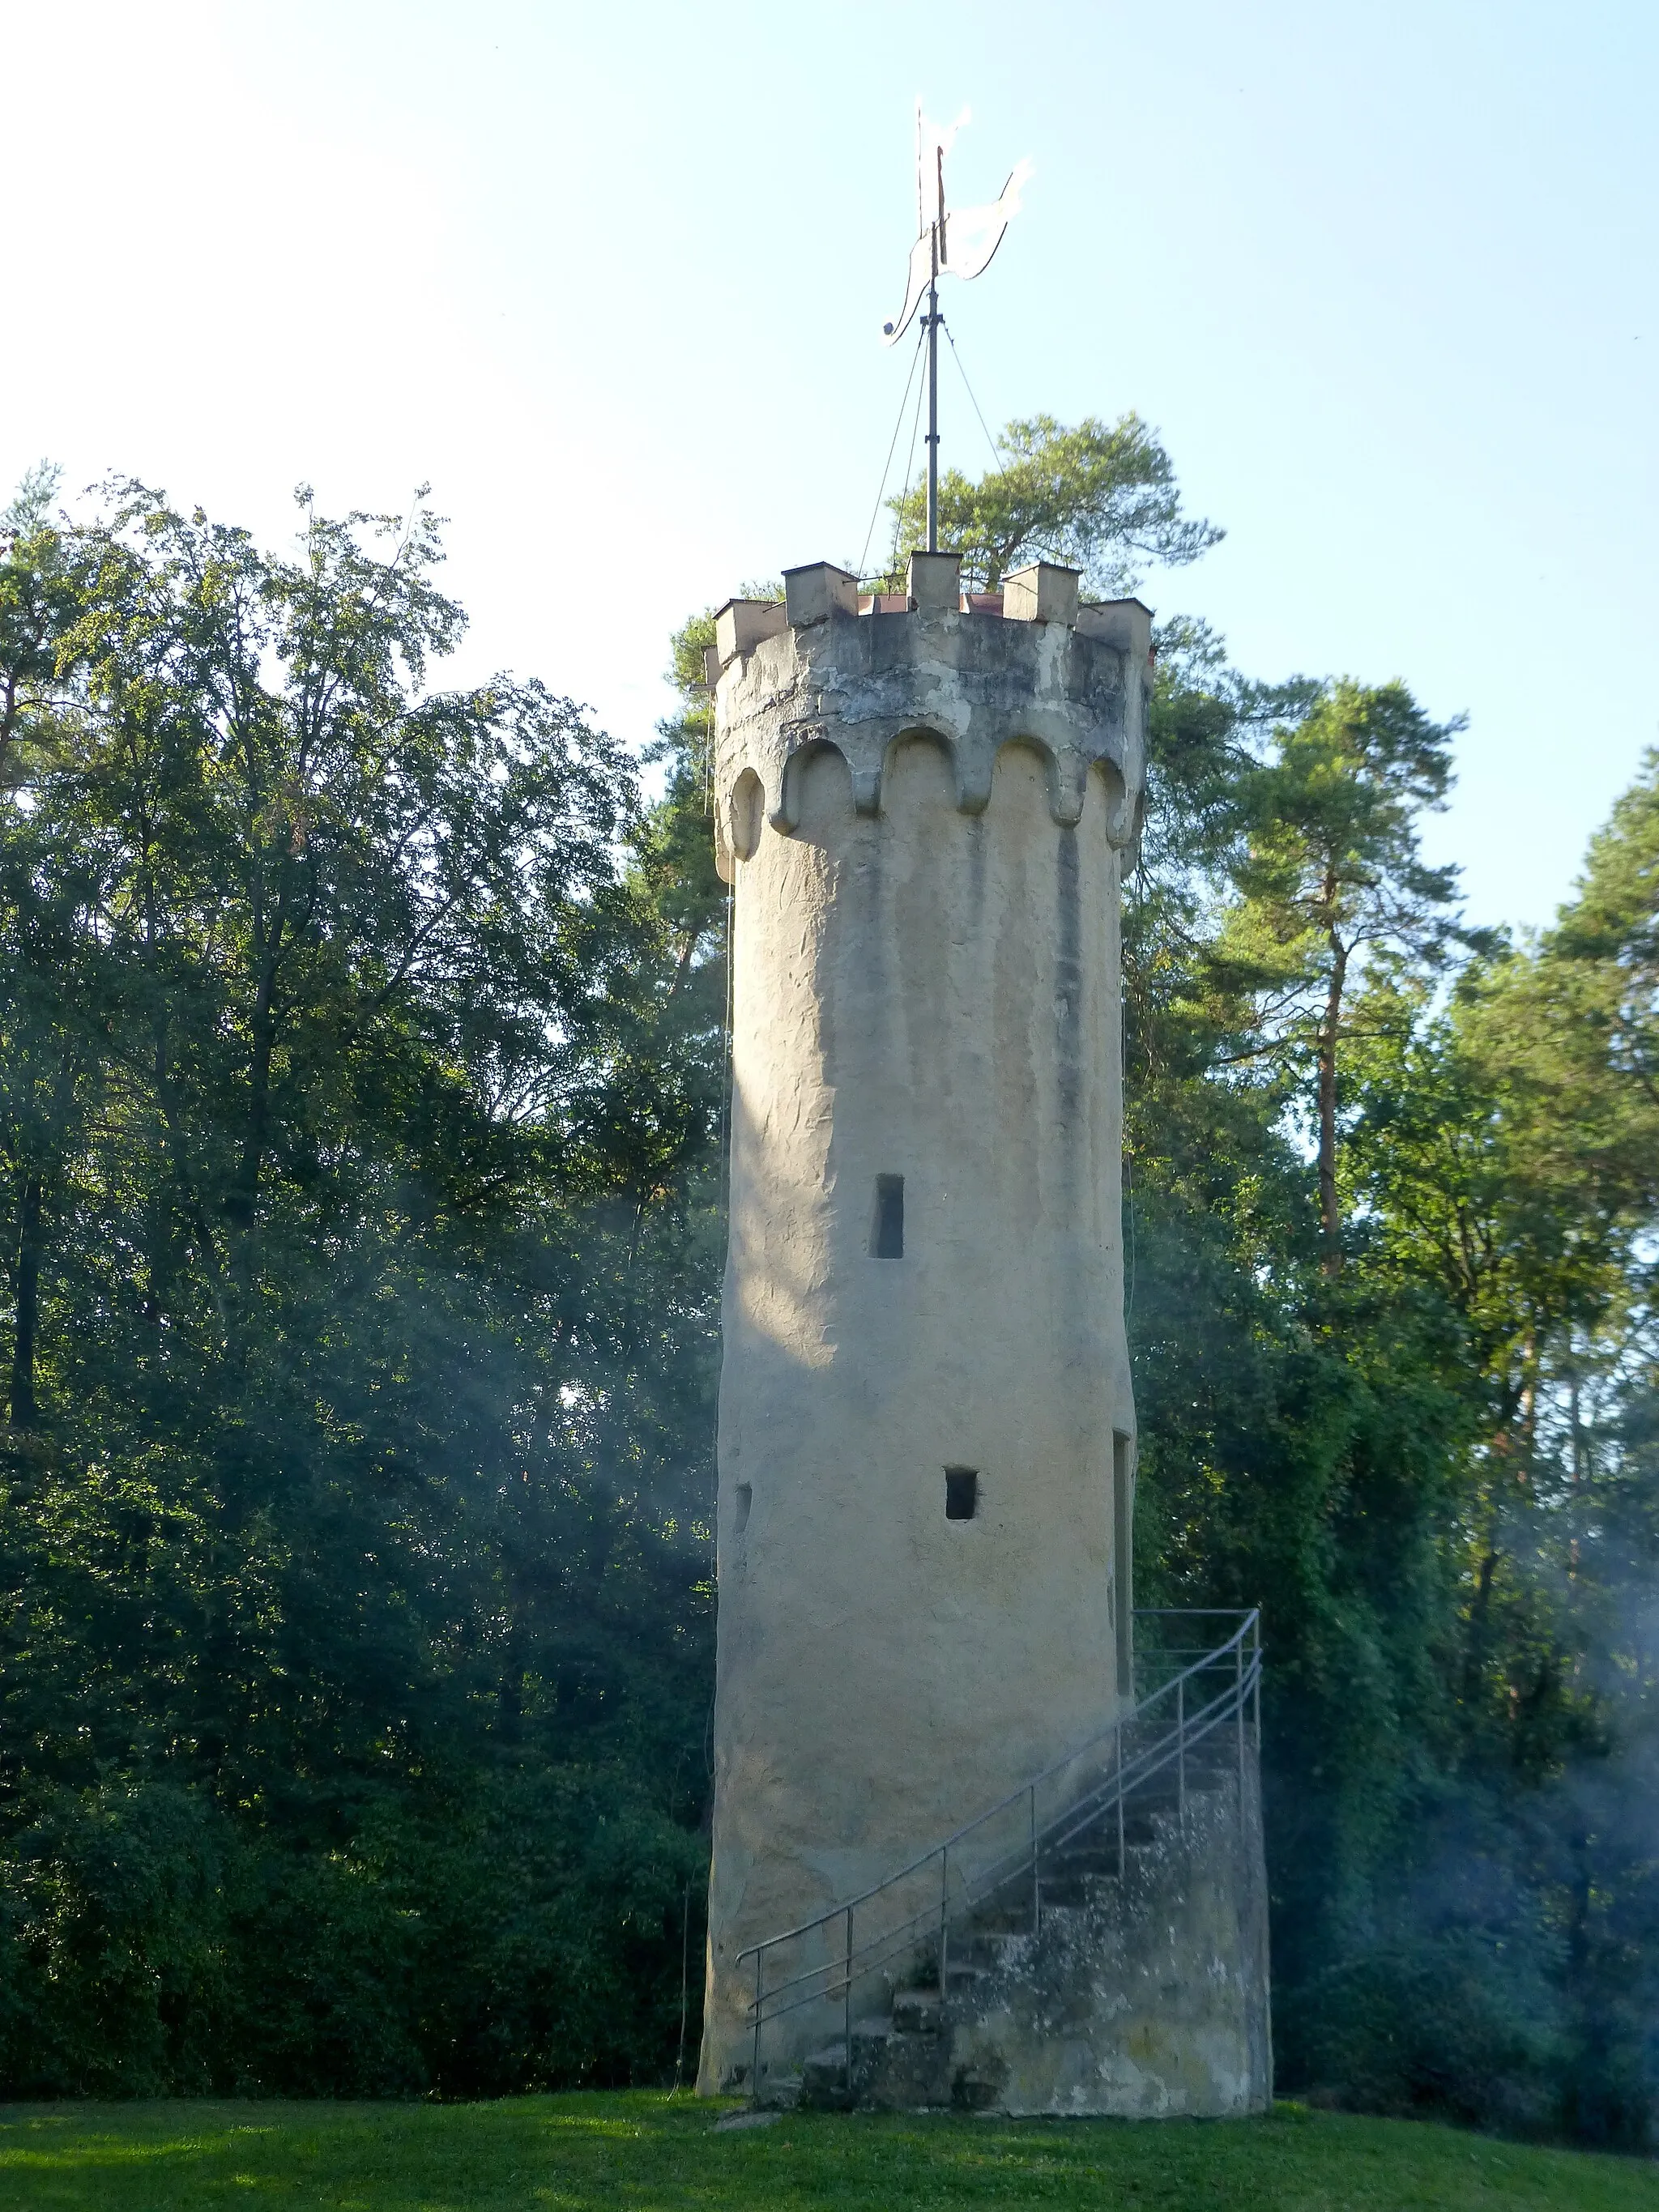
[[745, 1500], [887, 1241], [961, 1494]]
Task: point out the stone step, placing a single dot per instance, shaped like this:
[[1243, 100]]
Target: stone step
[[983, 1951], [1006, 1916], [1140, 1817], [1071, 1873], [890, 2066], [824, 2077], [1074, 1891], [1073, 1877], [918, 2012]]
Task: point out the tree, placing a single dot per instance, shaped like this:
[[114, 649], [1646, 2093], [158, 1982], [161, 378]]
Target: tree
[[358, 1313], [1331, 876], [1507, 1143], [1502, 1158], [1611, 929], [1096, 496], [36, 595]]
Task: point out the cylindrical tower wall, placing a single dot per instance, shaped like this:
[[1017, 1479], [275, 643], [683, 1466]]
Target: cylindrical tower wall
[[925, 1400]]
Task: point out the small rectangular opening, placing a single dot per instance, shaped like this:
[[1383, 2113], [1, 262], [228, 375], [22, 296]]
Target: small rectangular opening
[[745, 1500], [961, 1492], [887, 1241]]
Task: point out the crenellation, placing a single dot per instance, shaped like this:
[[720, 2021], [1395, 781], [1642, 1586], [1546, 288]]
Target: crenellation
[[819, 670], [1044, 593], [813, 593], [934, 583], [1124, 623], [742, 624]]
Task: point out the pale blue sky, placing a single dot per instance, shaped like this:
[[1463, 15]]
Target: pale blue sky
[[613, 278]]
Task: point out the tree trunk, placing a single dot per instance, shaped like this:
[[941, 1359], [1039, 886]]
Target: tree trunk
[[1330, 1212], [23, 1410], [1474, 1652]]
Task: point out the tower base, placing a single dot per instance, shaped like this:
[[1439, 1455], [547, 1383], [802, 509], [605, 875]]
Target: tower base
[[1143, 1996]]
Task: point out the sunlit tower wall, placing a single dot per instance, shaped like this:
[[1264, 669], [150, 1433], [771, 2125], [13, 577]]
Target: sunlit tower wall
[[925, 805]]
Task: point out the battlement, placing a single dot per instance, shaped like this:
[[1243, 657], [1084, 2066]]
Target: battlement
[[829, 667]]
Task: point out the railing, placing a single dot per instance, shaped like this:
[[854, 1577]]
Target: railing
[[1000, 1855]]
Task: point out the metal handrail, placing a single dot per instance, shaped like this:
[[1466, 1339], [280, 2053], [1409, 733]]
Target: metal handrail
[[828, 1976], [833, 1976], [1082, 1813]]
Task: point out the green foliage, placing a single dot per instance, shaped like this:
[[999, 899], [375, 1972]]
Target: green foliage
[[1431, 1467], [357, 1213], [1329, 875], [36, 599], [1098, 496]]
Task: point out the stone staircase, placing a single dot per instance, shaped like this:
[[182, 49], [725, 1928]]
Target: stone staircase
[[1117, 1965]]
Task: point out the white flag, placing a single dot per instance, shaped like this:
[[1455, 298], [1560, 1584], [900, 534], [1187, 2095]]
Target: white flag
[[947, 244]]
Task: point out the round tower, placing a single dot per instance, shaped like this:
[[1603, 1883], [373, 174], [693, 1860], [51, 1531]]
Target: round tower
[[924, 806]]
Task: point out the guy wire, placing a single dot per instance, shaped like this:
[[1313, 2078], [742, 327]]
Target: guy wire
[[909, 462], [996, 458], [898, 425]]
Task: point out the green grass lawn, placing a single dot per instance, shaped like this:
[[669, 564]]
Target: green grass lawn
[[637, 2151]]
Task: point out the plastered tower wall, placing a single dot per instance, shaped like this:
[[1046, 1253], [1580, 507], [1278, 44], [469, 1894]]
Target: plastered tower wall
[[924, 813]]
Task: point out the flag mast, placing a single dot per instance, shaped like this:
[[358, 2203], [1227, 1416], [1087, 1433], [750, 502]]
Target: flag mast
[[932, 355], [979, 232]]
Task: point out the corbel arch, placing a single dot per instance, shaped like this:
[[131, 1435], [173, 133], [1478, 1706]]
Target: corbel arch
[[1107, 782], [786, 814], [746, 814], [1063, 772], [923, 733]]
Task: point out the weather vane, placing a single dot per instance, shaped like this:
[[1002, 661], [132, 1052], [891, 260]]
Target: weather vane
[[958, 242]]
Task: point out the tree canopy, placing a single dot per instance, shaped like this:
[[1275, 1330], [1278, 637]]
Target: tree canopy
[[356, 1185], [1098, 496]]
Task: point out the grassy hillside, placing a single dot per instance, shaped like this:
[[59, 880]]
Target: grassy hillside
[[636, 2153]]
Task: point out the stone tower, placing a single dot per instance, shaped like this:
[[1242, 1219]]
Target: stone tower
[[924, 804]]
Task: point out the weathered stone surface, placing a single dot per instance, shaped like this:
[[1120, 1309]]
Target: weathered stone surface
[[1145, 1999]]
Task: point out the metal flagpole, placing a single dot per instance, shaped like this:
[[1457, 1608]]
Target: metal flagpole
[[933, 405], [964, 250], [932, 364]]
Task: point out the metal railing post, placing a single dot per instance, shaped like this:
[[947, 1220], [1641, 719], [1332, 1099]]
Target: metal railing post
[[1036, 1871], [944, 1912], [754, 2070], [1238, 1695], [1119, 1754], [847, 2005], [1181, 1745]]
